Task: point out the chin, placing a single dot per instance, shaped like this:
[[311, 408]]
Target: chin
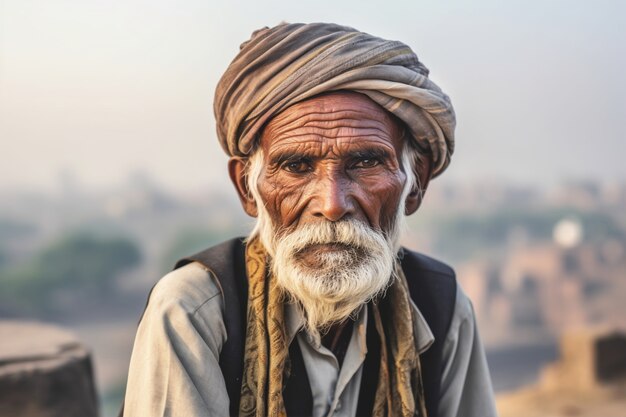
[[330, 276]]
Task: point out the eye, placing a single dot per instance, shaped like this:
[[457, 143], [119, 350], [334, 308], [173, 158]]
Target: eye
[[299, 166], [366, 163]]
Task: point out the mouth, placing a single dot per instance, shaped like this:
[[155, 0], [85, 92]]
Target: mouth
[[321, 248], [313, 256]]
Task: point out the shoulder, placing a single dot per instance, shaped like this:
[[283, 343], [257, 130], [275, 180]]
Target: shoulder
[[444, 275], [185, 306], [419, 261], [463, 311], [465, 384], [430, 281], [432, 285], [189, 294], [462, 329], [175, 359], [188, 287]]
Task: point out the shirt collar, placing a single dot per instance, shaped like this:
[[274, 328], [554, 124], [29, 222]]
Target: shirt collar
[[294, 321], [425, 337]]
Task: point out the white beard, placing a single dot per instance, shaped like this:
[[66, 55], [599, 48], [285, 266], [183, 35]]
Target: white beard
[[329, 286]]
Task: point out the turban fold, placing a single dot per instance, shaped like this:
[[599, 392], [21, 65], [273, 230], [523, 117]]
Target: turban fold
[[286, 64]]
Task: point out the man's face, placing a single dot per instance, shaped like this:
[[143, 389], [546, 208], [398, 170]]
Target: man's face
[[333, 157], [329, 191]]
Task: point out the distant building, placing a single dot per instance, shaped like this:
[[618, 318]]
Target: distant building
[[588, 361], [548, 288]]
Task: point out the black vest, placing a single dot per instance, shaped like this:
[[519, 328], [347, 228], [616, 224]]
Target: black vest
[[432, 286]]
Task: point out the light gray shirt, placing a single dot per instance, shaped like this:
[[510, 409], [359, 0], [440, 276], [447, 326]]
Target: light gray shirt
[[174, 368]]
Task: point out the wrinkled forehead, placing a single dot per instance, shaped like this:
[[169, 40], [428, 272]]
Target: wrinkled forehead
[[335, 114]]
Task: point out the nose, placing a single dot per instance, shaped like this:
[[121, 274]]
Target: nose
[[333, 199]]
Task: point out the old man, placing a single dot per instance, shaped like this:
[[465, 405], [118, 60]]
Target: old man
[[333, 137]]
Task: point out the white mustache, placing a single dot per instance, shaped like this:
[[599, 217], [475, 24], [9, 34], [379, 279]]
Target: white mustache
[[352, 234]]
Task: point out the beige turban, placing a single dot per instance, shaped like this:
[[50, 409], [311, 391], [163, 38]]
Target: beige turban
[[286, 64]]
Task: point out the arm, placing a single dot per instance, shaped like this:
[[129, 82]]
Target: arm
[[466, 389], [174, 368]]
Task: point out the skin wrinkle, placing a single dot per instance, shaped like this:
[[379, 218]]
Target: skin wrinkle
[[363, 193], [312, 138], [242, 171], [321, 115], [332, 125], [343, 186], [360, 143]]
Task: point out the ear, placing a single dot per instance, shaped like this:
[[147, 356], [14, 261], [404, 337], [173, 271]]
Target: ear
[[237, 172], [416, 195]]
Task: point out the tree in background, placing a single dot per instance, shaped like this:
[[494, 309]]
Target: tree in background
[[71, 272]]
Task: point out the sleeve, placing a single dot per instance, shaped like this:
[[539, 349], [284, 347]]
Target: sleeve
[[174, 368], [466, 389]]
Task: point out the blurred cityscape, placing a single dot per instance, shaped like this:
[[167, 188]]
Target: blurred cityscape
[[536, 262]]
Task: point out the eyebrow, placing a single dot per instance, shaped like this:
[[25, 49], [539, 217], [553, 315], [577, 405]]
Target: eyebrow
[[374, 152], [282, 157], [370, 153]]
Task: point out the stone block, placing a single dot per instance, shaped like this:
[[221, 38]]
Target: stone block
[[44, 372]]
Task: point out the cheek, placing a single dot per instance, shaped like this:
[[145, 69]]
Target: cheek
[[380, 198], [283, 198]]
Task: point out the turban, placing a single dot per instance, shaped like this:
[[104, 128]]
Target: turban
[[288, 63]]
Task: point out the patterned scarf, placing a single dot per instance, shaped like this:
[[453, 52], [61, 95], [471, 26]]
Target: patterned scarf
[[399, 391]]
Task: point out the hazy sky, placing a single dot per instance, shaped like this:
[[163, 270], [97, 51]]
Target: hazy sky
[[104, 88]]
